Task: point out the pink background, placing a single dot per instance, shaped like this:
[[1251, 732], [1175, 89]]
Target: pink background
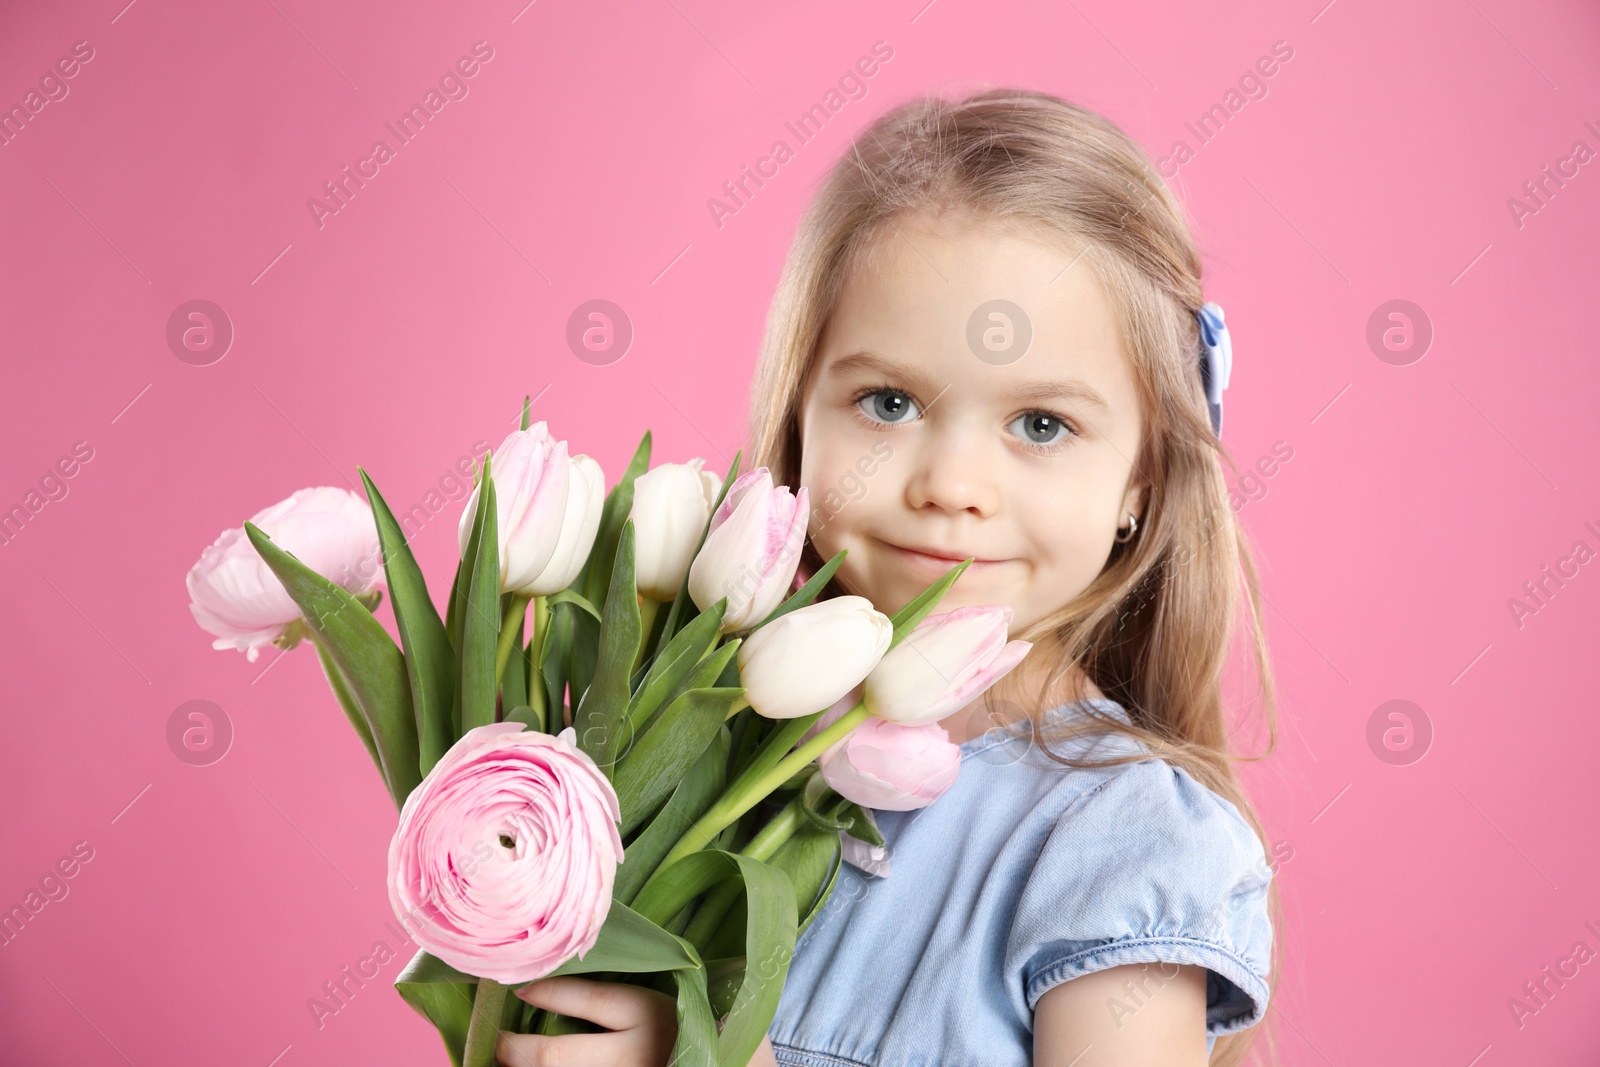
[[1417, 501]]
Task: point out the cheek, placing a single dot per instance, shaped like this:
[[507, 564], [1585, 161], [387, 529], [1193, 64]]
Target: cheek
[[1070, 537], [834, 492]]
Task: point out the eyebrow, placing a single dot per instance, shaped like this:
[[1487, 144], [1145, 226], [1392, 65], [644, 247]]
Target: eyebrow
[[1023, 393]]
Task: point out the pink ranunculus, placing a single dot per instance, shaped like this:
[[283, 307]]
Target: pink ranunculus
[[505, 856], [234, 595], [751, 550], [887, 766]]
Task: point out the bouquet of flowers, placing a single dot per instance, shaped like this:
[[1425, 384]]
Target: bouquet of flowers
[[631, 793]]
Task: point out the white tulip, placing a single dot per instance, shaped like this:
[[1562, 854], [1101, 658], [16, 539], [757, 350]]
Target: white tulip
[[803, 662], [671, 504], [586, 493]]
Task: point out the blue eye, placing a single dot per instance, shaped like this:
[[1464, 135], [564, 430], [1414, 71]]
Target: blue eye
[[884, 405], [1044, 430]]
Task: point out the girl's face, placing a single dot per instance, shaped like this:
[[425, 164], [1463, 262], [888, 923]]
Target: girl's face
[[921, 448]]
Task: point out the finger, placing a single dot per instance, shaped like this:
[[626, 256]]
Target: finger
[[565, 1050], [612, 1005]]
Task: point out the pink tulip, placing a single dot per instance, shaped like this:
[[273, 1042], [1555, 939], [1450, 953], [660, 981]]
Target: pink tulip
[[234, 595], [884, 765], [751, 550], [586, 494], [531, 472], [943, 665], [505, 857]]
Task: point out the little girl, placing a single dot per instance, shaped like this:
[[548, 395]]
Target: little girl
[[990, 340]]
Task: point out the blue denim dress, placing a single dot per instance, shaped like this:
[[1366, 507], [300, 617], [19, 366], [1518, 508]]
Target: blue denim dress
[[1024, 875]]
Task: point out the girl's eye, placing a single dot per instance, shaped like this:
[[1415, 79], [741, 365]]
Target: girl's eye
[[1044, 430], [885, 405]]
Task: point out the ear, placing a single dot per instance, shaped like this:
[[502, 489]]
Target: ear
[[1133, 501]]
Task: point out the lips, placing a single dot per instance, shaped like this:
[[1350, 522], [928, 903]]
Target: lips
[[944, 557]]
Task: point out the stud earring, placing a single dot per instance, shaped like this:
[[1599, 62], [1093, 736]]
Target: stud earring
[[1132, 528]]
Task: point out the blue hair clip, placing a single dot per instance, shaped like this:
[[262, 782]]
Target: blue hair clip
[[1216, 359]]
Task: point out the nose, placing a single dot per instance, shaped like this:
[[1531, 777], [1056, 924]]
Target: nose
[[954, 472]]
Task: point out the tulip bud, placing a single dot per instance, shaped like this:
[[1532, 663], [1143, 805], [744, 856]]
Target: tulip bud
[[671, 504], [943, 665], [804, 661], [530, 472], [891, 767], [236, 597], [586, 493], [751, 551]]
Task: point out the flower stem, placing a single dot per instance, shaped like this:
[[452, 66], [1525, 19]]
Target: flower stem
[[538, 699], [515, 607], [483, 1032], [772, 836], [745, 793], [647, 620]]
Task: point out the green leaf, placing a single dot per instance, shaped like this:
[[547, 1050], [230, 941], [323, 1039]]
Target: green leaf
[[366, 657], [749, 731], [526, 716], [632, 944], [585, 648], [567, 596], [480, 615], [442, 995], [717, 671], [594, 579], [347, 700], [458, 584], [816, 795], [663, 754], [682, 605], [557, 652], [430, 660], [513, 683], [690, 800], [861, 827], [808, 592], [674, 662], [723, 978], [770, 933], [697, 1027], [917, 608], [812, 859], [601, 718]]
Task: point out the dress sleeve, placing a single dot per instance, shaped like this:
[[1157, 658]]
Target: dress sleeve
[[1149, 867]]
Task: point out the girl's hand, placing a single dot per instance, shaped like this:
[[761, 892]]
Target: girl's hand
[[642, 1025]]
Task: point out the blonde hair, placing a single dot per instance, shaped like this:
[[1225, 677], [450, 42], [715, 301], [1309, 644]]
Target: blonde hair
[[1153, 630]]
